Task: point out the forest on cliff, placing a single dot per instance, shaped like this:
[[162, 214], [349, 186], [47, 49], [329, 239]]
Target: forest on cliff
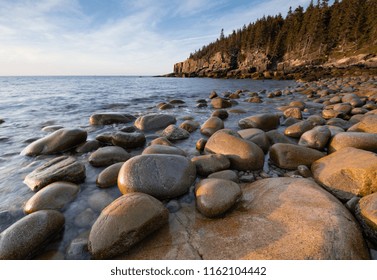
[[344, 28]]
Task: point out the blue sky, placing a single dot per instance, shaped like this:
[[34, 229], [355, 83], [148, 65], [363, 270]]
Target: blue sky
[[116, 37]]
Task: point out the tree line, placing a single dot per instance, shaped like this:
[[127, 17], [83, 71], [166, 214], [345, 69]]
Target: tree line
[[319, 31]]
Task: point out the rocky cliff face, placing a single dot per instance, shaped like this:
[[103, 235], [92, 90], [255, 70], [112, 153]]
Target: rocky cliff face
[[258, 65]]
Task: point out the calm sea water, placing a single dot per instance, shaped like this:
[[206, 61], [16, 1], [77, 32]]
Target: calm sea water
[[27, 104]]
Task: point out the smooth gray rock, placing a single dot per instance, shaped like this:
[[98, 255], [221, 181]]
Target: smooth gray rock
[[154, 121], [174, 133], [108, 155], [125, 222], [316, 138], [162, 176], [109, 176], [226, 175], [128, 140], [208, 164], [109, 118], [63, 168], [211, 125]]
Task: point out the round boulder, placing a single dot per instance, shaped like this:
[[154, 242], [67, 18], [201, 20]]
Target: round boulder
[[109, 118], [316, 138], [359, 140], [154, 121], [174, 133], [108, 155], [265, 122], [211, 125], [208, 164], [109, 176], [125, 222], [163, 149], [162, 176], [128, 140]]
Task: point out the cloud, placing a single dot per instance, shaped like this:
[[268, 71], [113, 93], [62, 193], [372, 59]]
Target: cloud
[[52, 37]]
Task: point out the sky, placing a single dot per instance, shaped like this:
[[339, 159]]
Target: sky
[[117, 37]]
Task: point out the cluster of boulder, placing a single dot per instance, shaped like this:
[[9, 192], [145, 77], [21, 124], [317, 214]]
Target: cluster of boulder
[[296, 183]]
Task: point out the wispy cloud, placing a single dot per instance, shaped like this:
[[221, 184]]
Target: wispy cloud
[[146, 37]]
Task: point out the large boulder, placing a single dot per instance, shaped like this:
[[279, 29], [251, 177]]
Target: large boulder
[[52, 197], [316, 138], [63, 168], [154, 121], [27, 236], [208, 164], [109, 118], [108, 155], [359, 140], [366, 212], [109, 176], [219, 103], [211, 125], [279, 219], [256, 136], [265, 122], [125, 222], [174, 133], [243, 154], [297, 129], [289, 156], [162, 176], [59, 141], [216, 196], [367, 124], [128, 140], [348, 172]]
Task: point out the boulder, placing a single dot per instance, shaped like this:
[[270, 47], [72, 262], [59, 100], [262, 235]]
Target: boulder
[[359, 140], [220, 103], [161, 141], [27, 236], [275, 219], [352, 99], [162, 176], [154, 121], [367, 124], [108, 155], [189, 125], [88, 146], [52, 197], [289, 156], [220, 113], [344, 108], [211, 125], [226, 175], [124, 223], [163, 149], [347, 172], [274, 136], [128, 140], [208, 164], [109, 176], [366, 212], [265, 122], [339, 123], [109, 118], [243, 154], [297, 129], [214, 197], [174, 133], [316, 138], [63, 168], [256, 136], [293, 112], [200, 144], [57, 142]]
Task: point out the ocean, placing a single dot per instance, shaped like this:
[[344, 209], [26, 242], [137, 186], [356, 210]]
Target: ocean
[[27, 104]]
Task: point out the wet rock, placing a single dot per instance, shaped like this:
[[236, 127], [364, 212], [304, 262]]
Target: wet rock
[[174, 133], [88, 146], [99, 200], [128, 140], [247, 178], [216, 196], [25, 237], [105, 138], [128, 129], [220, 113], [366, 211], [352, 99], [347, 172], [339, 122], [316, 120], [255, 99], [297, 129], [163, 149], [243, 154], [177, 101], [304, 171], [367, 124], [125, 222], [109, 118], [359, 140], [211, 125], [208, 164], [63, 168], [334, 130], [165, 106], [344, 108], [52, 197], [359, 111], [59, 141], [289, 156], [330, 113], [226, 175], [274, 136], [52, 128], [293, 112], [108, 155], [212, 95], [290, 219], [265, 122], [200, 144], [109, 176], [189, 126], [161, 141], [220, 103], [162, 176], [301, 105], [316, 138], [256, 136], [154, 121]]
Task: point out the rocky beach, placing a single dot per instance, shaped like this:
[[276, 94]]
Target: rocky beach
[[251, 173]]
